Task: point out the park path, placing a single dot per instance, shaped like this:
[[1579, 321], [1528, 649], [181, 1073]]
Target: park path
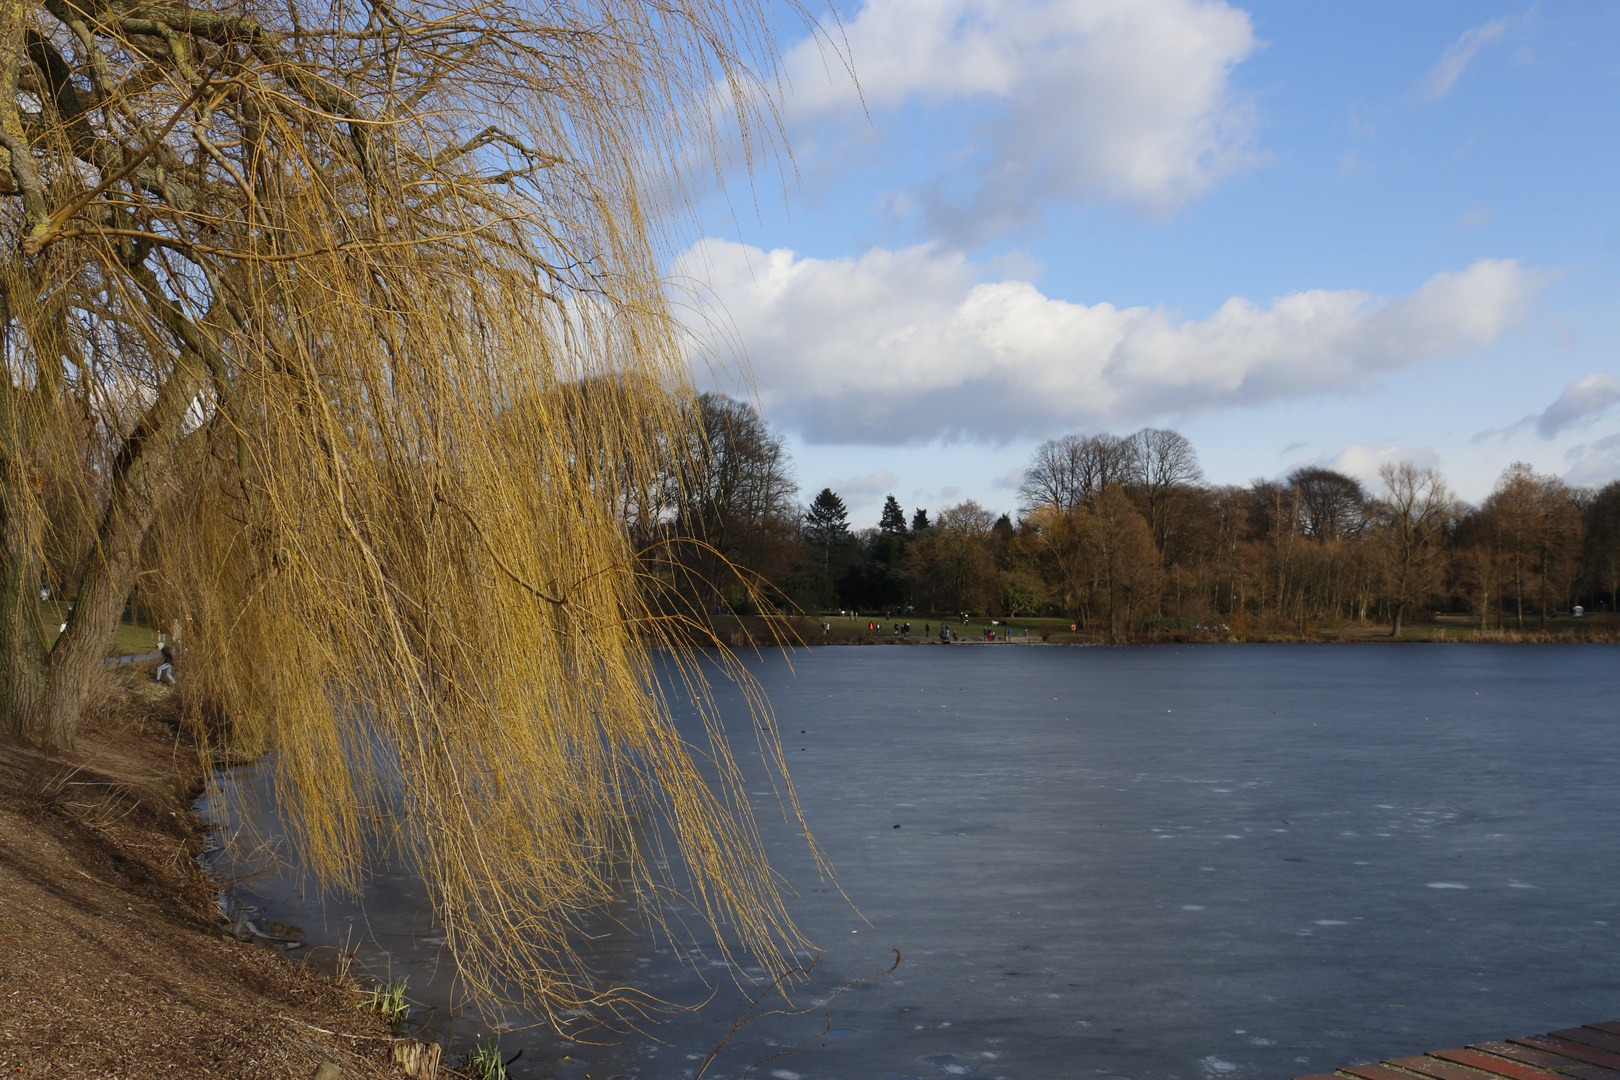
[[132, 658]]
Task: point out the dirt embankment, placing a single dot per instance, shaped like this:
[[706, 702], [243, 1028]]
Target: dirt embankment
[[114, 959]]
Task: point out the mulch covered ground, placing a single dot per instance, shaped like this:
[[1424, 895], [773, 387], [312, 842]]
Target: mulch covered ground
[[114, 959]]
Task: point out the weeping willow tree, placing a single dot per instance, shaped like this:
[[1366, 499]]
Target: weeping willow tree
[[337, 329]]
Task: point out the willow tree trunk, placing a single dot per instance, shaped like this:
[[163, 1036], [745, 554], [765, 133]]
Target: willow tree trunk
[[45, 693], [139, 484], [23, 659]]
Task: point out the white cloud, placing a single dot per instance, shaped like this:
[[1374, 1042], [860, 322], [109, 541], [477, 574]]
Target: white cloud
[[1445, 73], [859, 492], [1062, 100], [1013, 480], [910, 345], [1363, 460], [1582, 401], [1594, 463]]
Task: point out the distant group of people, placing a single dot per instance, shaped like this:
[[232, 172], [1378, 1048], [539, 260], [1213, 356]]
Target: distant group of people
[[899, 630]]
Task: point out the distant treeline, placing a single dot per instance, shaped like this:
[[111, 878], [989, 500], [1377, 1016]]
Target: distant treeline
[[1122, 534]]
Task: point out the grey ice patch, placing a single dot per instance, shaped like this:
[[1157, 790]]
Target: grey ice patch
[[1446, 885], [1331, 922], [1192, 907], [1214, 1066]]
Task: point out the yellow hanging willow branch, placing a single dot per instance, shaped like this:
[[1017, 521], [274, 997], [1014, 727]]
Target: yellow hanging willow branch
[[258, 353]]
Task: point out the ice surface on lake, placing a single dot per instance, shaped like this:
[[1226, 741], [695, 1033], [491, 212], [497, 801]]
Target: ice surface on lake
[[1341, 865]]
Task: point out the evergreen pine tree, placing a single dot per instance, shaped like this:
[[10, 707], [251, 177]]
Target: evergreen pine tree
[[826, 523], [894, 518], [919, 520]]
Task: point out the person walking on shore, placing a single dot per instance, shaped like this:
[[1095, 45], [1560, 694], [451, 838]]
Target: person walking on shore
[[168, 664]]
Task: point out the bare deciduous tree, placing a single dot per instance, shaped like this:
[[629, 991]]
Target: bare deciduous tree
[[956, 558], [1332, 506], [1536, 529], [1163, 470], [1602, 555], [1409, 536], [1071, 471], [732, 490], [1124, 561]]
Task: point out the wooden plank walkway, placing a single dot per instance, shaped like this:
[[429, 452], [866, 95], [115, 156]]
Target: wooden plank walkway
[[1584, 1053]]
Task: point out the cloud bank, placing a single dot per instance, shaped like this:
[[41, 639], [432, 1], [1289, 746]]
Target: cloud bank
[[1048, 101], [913, 345], [1582, 401], [1594, 463]]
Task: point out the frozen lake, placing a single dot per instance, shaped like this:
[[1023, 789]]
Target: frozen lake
[[1154, 863]]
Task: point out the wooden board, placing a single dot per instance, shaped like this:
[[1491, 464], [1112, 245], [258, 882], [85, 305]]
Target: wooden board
[[1376, 1072], [1591, 1036], [1591, 1052], [1544, 1058], [1438, 1069], [1504, 1066], [1579, 1051]]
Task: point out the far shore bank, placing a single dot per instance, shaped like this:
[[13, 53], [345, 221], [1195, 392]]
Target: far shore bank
[[823, 630]]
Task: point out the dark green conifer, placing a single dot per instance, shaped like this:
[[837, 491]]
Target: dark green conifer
[[894, 518], [826, 523]]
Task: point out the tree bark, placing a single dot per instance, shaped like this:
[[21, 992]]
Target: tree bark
[[1542, 592], [22, 634], [136, 491], [138, 481]]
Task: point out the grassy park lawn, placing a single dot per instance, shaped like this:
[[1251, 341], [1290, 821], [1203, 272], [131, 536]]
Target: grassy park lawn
[[135, 634]]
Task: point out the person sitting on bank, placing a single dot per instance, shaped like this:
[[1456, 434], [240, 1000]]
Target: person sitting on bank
[[168, 664]]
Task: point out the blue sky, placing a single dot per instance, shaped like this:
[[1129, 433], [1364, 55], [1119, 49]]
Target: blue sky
[[1297, 233]]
